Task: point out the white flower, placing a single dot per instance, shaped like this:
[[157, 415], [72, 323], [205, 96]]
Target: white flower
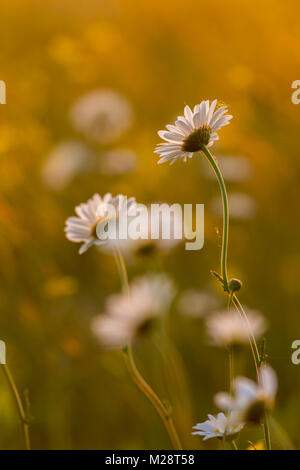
[[101, 115], [192, 131], [197, 303], [128, 316], [65, 161], [83, 227], [250, 399], [218, 426], [227, 328]]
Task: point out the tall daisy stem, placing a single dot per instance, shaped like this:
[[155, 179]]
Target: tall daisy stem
[[267, 433], [153, 398], [237, 304], [233, 445], [162, 410], [19, 405], [225, 232], [231, 367]]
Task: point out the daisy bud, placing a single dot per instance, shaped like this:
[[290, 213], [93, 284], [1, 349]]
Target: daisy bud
[[234, 285]]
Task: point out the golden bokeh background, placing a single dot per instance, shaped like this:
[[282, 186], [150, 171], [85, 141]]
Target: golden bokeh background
[[160, 55]]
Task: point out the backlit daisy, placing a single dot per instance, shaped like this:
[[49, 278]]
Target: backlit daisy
[[218, 426], [126, 316], [65, 161], [102, 115], [249, 399], [191, 131], [82, 228], [227, 328]]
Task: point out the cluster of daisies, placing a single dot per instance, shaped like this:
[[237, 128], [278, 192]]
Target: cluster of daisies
[[127, 317]]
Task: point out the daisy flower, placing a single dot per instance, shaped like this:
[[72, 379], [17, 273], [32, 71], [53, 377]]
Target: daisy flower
[[227, 328], [250, 400], [218, 426], [102, 115], [191, 131], [126, 317], [65, 161], [82, 228]]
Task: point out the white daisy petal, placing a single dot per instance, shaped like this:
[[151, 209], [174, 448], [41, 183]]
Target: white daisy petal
[[183, 127], [268, 380], [211, 111], [217, 114], [175, 129], [188, 114]]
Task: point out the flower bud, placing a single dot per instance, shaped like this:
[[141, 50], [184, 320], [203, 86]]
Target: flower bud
[[234, 285]]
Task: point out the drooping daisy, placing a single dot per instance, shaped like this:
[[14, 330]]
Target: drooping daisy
[[250, 400], [219, 426], [126, 316], [191, 131], [82, 228], [227, 328]]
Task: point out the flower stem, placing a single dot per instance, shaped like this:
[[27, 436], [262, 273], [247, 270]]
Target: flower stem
[[233, 445], [224, 277], [162, 410], [231, 368], [19, 404], [122, 269], [252, 340], [225, 233], [266, 427]]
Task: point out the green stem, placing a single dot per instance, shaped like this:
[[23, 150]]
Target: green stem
[[136, 376], [224, 249], [231, 368], [252, 340], [266, 427], [153, 398], [122, 269], [225, 233], [233, 445], [19, 404]]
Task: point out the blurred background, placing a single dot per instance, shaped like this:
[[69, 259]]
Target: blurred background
[[88, 86]]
